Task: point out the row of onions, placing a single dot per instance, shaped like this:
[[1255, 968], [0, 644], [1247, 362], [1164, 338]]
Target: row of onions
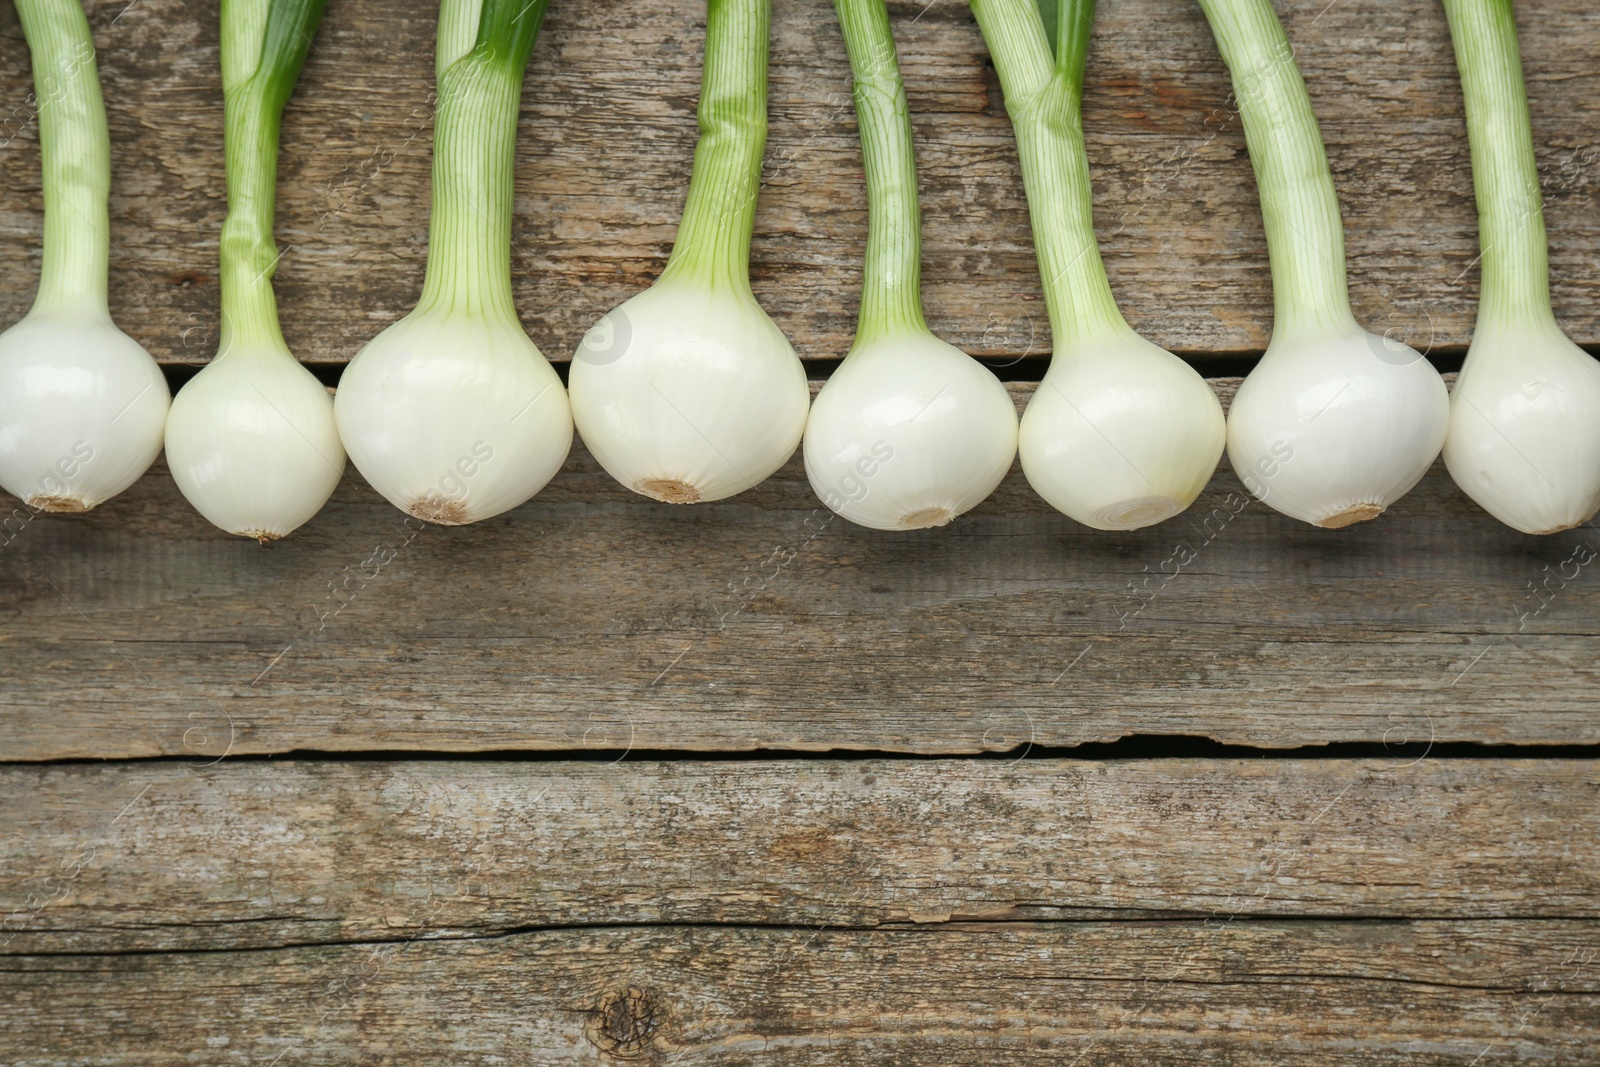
[[689, 392]]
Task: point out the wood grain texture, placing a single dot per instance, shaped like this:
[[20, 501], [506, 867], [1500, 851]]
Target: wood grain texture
[[168, 856], [1248, 993], [608, 128], [207, 909], [592, 618]]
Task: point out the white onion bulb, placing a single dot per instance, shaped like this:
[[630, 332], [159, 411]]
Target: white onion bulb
[[1333, 428], [82, 409], [251, 443], [1524, 437], [908, 433], [454, 417], [688, 393], [1121, 433]]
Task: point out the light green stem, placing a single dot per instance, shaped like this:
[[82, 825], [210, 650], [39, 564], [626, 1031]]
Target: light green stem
[[264, 46], [1515, 256], [1068, 27], [249, 254], [891, 284], [483, 52], [713, 245], [76, 151], [1299, 208], [1042, 94], [1050, 19]]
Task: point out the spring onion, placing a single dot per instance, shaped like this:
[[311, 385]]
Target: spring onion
[[1335, 423], [251, 440], [452, 413], [82, 404], [1121, 433], [688, 392], [1524, 438], [909, 431]]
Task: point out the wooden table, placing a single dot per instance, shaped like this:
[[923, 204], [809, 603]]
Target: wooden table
[[605, 781]]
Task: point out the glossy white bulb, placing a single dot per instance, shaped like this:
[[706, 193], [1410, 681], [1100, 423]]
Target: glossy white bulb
[[82, 410], [1121, 433], [1524, 438], [252, 444], [454, 417], [686, 393], [908, 433], [1333, 428]]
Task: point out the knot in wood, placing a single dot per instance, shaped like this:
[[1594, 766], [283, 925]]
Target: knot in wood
[[628, 1021]]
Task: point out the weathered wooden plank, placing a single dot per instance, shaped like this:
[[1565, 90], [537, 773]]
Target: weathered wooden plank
[[608, 124], [1281, 993], [594, 618], [169, 856]]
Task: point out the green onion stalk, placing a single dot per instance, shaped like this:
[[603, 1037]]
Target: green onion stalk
[[909, 431], [1524, 438], [453, 413], [82, 404], [1335, 423], [251, 440], [688, 392], [1120, 433]]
